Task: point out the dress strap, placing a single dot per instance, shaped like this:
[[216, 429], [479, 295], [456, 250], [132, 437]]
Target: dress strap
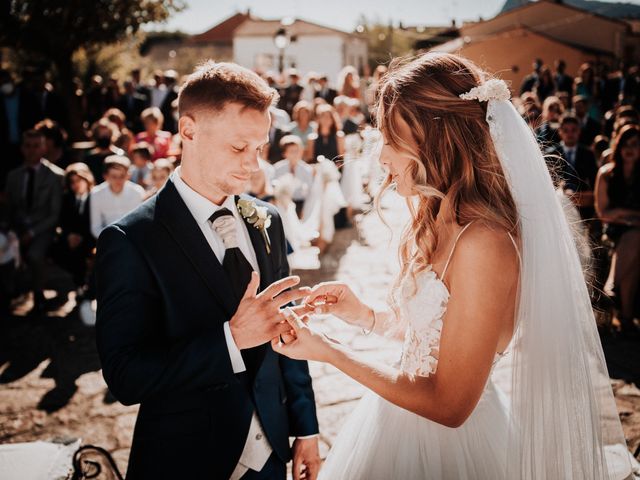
[[446, 265]]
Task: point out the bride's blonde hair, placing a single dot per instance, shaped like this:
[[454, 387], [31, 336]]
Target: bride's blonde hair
[[455, 155]]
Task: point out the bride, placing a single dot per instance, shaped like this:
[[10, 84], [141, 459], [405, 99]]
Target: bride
[[488, 269]]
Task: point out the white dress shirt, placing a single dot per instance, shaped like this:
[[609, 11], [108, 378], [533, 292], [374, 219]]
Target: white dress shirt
[[257, 449], [106, 206]]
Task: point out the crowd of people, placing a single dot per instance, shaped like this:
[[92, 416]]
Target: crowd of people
[[58, 197], [589, 128]]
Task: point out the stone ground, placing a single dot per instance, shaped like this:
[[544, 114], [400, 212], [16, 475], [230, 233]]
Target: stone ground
[[51, 385]]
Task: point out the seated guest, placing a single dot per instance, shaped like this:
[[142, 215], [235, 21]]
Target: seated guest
[[293, 164], [161, 170], [152, 119], [547, 132], [328, 141], [302, 125], [55, 139], [589, 127], [140, 172], [76, 240], [103, 133], [577, 170], [114, 198], [34, 198], [324, 92], [618, 206]]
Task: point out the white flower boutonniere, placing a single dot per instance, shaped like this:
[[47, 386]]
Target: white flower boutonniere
[[258, 217]]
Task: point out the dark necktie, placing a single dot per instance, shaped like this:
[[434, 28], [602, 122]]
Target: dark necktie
[[238, 269], [31, 180]]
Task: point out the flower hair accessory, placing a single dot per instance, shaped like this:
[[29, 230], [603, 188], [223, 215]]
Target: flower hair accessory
[[258, 217], [493, 89]]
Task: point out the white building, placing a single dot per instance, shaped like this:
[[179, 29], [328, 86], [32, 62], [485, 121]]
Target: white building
[[311, 47]]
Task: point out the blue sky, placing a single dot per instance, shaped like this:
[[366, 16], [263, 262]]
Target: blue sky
[[342, 14]]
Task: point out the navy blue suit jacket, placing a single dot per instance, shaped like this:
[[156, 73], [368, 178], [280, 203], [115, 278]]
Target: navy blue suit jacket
[[163, 298]]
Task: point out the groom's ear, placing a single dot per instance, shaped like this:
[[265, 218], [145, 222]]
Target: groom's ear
[[186, 127]]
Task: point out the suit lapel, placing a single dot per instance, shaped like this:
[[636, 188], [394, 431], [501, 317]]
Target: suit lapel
[[259, 247], [175, 216]]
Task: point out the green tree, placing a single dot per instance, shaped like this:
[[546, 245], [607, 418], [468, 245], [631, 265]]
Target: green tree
[[58, 29]]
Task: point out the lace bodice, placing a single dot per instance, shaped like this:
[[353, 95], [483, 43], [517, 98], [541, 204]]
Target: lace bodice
[[421, 309]]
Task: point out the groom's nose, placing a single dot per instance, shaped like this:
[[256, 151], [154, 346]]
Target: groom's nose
[[250, 162]]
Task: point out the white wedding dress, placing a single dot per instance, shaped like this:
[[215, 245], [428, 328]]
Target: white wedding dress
[[382, 441]]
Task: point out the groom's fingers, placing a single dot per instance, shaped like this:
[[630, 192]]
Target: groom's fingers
[[291, 295], [252, 288], [280, 286]]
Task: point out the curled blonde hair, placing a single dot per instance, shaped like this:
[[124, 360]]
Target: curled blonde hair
[[455, 156]]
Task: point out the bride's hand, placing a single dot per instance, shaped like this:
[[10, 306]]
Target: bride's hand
[[302, 343], [338, 299]]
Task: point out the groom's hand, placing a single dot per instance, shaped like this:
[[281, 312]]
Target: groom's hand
[[306, 458], [258, 318]]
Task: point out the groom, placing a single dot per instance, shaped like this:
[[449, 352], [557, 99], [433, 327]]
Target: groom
[[181, 327]]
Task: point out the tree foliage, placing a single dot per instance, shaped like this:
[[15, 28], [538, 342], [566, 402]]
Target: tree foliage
[[57, 28]]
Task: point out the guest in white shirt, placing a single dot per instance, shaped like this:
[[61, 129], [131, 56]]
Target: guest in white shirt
[[115, 197], [292, 149]]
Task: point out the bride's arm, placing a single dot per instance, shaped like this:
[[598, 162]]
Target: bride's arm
[[483, 280]]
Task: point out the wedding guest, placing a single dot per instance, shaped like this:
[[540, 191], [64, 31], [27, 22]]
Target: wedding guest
[[302, 125], [158, 90], [565, 99], [292, 150], [55, 142], [545, 85], [586, 85], [564, 82], [141, 165], [547, 132], [353, 118], [115, 197], [328, 141], [589, 127], [349, 82], [530, 80], [292, 93], [76, 240], [577, 170], [324, 91], [103, 133], [599, 146], [161, 170], [132, 103], [618, 205], [160, 140], [34, 197]]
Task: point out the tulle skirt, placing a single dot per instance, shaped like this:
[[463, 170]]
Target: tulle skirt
[[381, 441]]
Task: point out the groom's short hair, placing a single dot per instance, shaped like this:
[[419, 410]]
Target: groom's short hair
[[213, 85]]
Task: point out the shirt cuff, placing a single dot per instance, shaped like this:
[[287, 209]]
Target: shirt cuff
[[234, 352], [308, 436]]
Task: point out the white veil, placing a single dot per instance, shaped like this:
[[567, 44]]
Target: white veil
[[565, 422]]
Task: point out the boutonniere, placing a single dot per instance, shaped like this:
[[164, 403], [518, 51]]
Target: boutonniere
[[258, 217]]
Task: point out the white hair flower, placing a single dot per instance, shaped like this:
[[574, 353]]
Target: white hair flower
[[493, 89]]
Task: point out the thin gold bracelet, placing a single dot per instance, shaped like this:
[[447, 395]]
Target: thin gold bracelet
[[373, 325]]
